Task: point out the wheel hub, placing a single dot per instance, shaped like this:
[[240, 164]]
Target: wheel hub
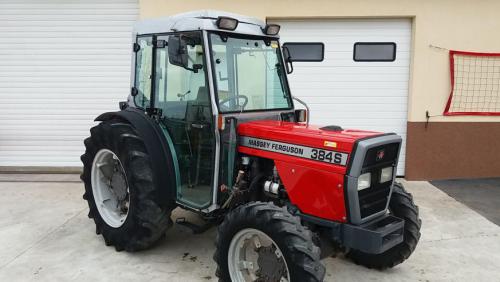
[[254, 256], [110, 188], [119, 184], [271, 264]]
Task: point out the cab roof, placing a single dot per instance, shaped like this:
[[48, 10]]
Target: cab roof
[[199, 20]]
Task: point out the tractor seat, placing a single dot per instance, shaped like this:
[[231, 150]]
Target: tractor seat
[[198, 110]]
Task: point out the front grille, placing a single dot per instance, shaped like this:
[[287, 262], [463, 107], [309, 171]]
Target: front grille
[[390, 154], [374, 199]]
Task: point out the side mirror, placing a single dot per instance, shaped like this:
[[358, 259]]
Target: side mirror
[[300, 115], [177, 51]]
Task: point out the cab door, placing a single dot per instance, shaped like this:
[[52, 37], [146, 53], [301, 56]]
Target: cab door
[[183, 97]]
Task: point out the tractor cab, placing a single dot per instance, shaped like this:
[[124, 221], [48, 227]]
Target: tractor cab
[[202, 71]]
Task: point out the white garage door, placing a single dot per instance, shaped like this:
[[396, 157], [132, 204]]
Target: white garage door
[[61, 64], [368, 95]]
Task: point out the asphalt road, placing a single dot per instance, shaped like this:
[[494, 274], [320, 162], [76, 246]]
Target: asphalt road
[[481, 195]]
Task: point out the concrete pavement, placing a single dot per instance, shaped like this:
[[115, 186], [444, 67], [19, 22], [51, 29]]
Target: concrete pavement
[[45, 235]]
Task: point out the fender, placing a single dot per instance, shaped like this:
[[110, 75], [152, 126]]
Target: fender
[[162, 161]]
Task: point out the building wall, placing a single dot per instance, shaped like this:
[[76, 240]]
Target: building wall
[[437, 26]]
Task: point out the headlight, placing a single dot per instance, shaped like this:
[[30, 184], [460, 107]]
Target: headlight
[[386, 174], [271, 29], [226, 23], [364, 181]]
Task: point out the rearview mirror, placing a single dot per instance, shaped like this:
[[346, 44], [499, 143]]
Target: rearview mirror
[[300, 115], [177, 51], [304, 51]]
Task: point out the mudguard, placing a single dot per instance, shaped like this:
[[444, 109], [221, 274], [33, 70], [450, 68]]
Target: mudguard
[[164, 174]]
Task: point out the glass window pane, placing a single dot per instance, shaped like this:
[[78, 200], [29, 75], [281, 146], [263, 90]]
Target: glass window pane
[[143, 67], [374, 52], [249, 74]]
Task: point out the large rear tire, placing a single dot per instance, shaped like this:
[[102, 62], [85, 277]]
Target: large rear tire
[[262, 242], [117, 172], [402, 206]]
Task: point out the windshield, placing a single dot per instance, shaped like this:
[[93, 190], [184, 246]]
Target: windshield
[[249, 74]]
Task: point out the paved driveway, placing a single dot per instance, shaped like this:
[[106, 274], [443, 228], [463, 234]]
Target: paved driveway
[[45, 235]]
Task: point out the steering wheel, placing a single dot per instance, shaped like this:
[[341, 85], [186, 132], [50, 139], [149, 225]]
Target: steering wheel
[[236, 98]]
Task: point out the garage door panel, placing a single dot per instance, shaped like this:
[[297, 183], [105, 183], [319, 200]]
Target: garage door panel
[[26, 145], [375, 103], [55, 36], [363, 95], [341, 55], [367, 77], [344, 44], [355, 115], [89, 63], [346, 84], [347, 24], [353, 70], [37, 153], [63, 63], [78, 51], [348, 62], [91, 28], [63, 17], [38, 46], [349, 93]]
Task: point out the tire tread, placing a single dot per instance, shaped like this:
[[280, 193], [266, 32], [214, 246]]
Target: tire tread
[[149, 220], [304, 258]]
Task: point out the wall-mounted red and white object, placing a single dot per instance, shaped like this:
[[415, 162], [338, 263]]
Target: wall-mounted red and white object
[[475, 84]]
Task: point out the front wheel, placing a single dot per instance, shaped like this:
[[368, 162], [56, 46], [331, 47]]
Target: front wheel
[[262, 242], [402, 206]]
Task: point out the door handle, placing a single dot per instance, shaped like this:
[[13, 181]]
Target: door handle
[[198, 125]]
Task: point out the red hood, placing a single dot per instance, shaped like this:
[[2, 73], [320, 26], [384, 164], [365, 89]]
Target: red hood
[[301, 134]]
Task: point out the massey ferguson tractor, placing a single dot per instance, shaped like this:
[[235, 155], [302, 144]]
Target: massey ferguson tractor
[[210, 126]]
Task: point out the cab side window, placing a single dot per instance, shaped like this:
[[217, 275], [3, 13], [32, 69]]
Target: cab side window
[[177, 88], [143, 67]]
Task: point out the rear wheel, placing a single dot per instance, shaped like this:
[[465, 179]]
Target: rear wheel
[[402, 206], [119, 188], [262, 242]]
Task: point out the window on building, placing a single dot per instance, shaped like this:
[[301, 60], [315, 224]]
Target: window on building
[[374, 51]]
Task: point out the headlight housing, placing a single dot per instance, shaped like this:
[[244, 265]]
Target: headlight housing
[[226, 23], [271, 29], [386, 174], [364, 181]]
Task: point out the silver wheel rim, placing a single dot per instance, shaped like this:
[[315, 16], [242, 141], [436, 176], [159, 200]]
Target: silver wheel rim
[[110, 188], [244, 257]]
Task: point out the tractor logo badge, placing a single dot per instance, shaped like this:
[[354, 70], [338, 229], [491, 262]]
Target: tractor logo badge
[[380, 155]]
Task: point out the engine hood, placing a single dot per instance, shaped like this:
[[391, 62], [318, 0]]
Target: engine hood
[[311, 146], [301, 134]]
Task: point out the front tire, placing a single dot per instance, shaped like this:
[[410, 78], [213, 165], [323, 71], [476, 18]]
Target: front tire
[[402, 206], [262, 242], [117, 172]]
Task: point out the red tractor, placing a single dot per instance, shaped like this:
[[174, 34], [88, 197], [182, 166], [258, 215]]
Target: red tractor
[[210, 126]]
